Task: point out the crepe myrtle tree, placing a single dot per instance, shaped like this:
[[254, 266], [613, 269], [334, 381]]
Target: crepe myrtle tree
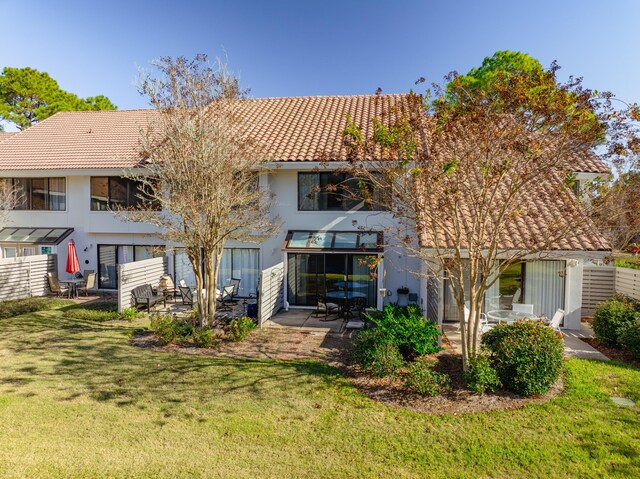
[[200, 183], [477, 163]]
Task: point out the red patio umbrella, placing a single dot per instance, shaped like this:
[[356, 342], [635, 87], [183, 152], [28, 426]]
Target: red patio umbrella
[[73, 266]]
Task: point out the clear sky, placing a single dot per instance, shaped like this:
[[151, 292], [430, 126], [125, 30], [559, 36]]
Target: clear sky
[[284, 48]]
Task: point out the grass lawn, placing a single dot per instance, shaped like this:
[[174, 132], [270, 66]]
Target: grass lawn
[[77, 401]]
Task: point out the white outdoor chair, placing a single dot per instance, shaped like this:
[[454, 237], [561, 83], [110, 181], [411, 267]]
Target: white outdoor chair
[[516, 296], [484, 324], [522, 308], [556, 320]]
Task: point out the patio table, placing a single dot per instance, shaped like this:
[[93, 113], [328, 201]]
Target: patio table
[[351, 284], [73, 286], [342, 299], [506, 315]]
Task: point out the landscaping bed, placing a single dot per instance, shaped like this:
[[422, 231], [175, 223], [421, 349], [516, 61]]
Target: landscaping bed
[[612, 352]]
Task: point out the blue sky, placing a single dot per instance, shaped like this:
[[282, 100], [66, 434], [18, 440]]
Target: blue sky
[[283, 48]]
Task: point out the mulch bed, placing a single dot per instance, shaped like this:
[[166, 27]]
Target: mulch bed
[[335, 350], [616, 354]]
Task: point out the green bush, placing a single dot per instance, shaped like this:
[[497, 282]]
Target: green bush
[[240, 328], [16, 307], [413, 334], [422, 379], [129, 314], [481, 376], [169, 329], [93, 312], [630, 337], [204, 338], [527, 355], [612, 316], [376, 353]]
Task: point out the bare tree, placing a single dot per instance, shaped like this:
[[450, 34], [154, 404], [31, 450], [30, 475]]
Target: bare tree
[[201, 184], [481, 174], [9, 197]]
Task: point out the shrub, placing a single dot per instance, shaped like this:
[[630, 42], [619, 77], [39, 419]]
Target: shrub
[[93, 312], [16, 307], [481, 376], [376, 353], [128, 314], [612, 316], [240, 328], [205, 338], [169, 329], [422, 379], [527, 354], [630, 337], [413, 334]]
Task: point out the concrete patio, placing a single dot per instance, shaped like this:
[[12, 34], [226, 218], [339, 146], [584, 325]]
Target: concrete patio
[[574, 347], [306, 320]]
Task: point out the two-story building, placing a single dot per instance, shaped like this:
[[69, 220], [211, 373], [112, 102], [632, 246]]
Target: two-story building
[[71, 171]]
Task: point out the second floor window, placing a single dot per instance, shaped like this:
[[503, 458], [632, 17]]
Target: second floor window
[[329, 191], [113, 192], [44, 194]]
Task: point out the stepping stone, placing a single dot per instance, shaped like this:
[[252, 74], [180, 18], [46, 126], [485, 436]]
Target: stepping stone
[[622, 401], [355, 325]]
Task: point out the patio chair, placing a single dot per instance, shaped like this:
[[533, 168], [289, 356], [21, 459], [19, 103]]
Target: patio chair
[[356, 305], [90, 284], [187, 294], [516, 296], [556, 320], [326, 308], [235, 282], [484, 324], [168, 286], [54, 285], [523, 308], [225, 298]]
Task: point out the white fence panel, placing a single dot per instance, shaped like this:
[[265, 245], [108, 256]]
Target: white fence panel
[[598, 284], [628, 282], [26, 277], [137, 273], [271, 293]]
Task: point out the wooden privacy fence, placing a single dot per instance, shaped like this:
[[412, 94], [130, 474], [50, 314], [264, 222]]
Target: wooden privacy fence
[[137, 273], [26, 277], [602, 282], [270, 293]]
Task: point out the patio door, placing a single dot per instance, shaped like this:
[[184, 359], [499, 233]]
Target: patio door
[[311, 276]]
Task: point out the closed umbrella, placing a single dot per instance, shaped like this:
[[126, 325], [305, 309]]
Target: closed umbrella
[[73, 266]]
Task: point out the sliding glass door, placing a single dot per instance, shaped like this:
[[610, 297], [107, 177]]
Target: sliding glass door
[[109, 256], [311, 276]]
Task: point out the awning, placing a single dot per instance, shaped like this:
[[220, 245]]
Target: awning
[[334, 240], [43, 236]]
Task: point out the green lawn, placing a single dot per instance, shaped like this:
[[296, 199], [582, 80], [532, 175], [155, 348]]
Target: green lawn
[[77, 401]]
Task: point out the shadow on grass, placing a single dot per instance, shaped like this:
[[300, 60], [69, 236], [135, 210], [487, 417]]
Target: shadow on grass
[[78, 358]]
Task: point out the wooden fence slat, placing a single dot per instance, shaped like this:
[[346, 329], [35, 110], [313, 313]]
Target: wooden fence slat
[[601, 282]]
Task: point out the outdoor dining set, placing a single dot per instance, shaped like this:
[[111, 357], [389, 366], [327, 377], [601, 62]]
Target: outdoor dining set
[[344, 302]]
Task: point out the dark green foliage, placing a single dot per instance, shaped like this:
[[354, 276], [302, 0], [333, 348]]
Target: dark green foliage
[[377, 353], [423, 380], [240, 328], [527, 355], [16, 307], [204, 338], [28, 96], [481, 376], [169, 329], [93, 312], [412, 333], [630, 337], [612, 316]]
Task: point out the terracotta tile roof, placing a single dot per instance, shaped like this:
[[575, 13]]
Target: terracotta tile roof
[[5, 135], [293, 128], [543, 213], [70, 140]]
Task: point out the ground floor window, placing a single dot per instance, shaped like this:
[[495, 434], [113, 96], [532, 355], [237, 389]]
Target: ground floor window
[[311, 276], [240, 263], [109, 256], [540, 283]]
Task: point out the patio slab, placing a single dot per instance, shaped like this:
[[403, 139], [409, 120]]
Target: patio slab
[[305, 320]]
